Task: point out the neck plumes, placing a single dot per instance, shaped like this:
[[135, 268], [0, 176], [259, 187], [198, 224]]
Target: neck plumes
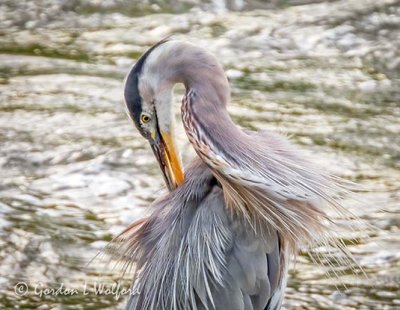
[[265, 180]]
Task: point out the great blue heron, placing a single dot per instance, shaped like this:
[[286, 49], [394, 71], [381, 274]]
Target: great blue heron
[[222, 237]]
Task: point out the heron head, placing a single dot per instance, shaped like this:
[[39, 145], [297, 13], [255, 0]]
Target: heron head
[[148, 97]]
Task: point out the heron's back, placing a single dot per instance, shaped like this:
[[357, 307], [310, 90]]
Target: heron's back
[[192, 253]]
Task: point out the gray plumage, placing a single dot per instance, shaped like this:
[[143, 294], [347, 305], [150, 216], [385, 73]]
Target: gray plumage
[[222, 238], [192, 253]]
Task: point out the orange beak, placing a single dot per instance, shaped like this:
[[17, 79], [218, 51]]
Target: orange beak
[[165, 150]]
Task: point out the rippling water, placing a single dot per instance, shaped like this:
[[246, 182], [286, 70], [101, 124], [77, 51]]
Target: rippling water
[[74, 171]]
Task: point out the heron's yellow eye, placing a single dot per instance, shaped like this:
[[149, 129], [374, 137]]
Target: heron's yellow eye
[[145, 118]]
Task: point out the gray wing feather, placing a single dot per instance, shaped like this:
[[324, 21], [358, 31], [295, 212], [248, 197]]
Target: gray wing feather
[[255, 268], [194, 254]]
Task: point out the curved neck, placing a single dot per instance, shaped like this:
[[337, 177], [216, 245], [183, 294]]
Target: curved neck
[[181, 62]]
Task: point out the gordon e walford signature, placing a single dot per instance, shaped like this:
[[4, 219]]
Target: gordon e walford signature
[[98, 288]]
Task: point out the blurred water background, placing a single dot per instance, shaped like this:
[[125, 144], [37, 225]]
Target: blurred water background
[[75, 172]]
